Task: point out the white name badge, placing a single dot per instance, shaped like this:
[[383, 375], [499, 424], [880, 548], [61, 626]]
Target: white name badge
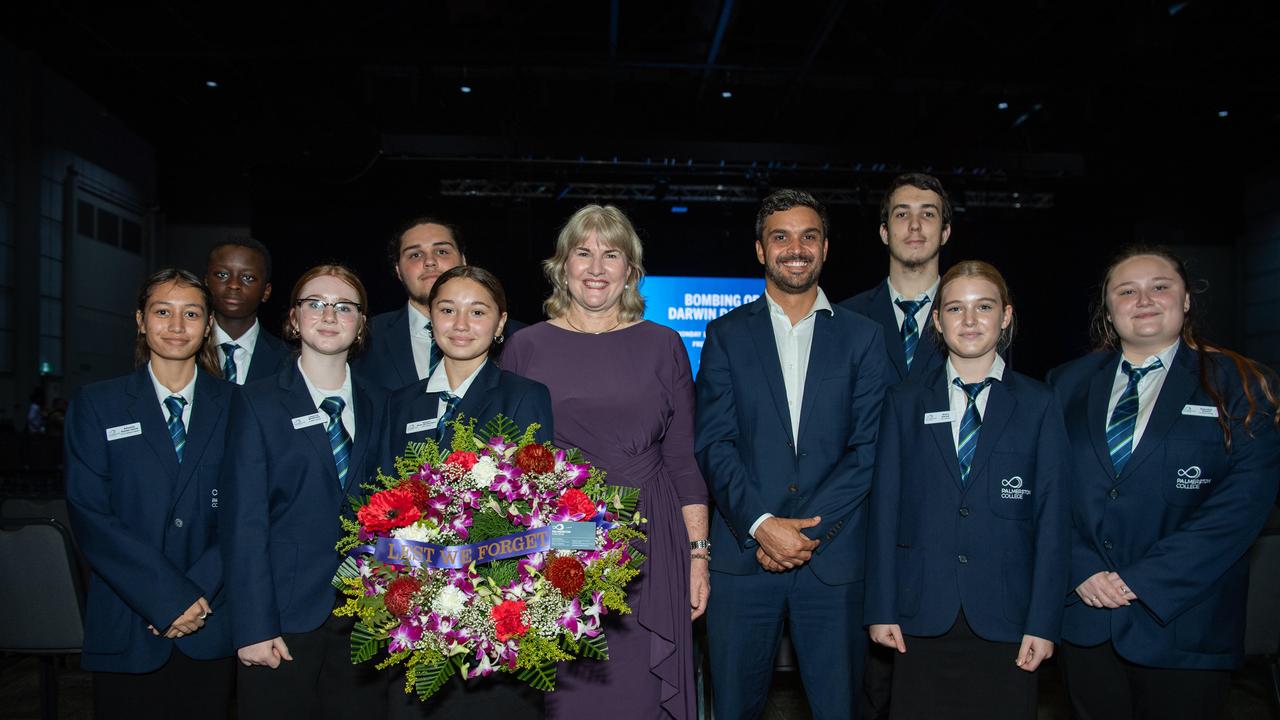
[[1200, 410], [121, 432], [315, 418], [420, 426], [933, 418]]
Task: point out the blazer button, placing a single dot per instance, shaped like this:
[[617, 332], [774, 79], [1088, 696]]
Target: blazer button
[[1114, 493], [1106, 544], [831, 535], [177, 522], [964, 512], [964, 559], [792, 487]]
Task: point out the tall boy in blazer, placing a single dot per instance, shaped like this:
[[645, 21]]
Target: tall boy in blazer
[[238, 273]]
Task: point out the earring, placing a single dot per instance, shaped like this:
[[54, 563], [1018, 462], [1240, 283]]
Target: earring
[[498, 339]]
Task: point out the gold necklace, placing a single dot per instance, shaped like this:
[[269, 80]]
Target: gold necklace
[[589, 332]]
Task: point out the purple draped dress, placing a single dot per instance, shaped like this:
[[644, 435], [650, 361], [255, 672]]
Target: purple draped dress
[[625, 398]]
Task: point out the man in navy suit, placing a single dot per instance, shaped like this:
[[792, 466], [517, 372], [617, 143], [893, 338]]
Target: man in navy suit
[[401, 350], [789, 398], [915, 222], [238, 273]]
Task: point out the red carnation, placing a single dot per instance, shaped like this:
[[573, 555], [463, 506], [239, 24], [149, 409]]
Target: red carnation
[[575, 501], [565, 572], [535, 459], [420, 491], [507, 619], [389, 509], [464, 460], [399, 595]]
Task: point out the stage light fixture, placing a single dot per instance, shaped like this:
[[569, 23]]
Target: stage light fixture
[[1223, 113], [1002, 105], [465, 89], [211, 83], [726, 94]]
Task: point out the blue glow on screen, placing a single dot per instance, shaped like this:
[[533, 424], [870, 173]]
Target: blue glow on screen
[[687, 304]]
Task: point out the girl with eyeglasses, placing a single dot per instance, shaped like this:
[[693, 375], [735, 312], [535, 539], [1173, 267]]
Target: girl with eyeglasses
[[143, 454], [967, 546], [304, 441], [1175, 454]]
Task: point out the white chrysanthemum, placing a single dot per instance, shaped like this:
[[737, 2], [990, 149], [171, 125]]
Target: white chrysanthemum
[[419, 531], [483, 472], [449, 601]]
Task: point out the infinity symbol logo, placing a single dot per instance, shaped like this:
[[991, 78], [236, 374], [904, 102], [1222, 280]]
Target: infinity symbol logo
[[1190, 473], [1014, 482]]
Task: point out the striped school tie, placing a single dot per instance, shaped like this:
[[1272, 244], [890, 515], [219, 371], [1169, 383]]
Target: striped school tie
[[177, 432], [910, 329], [339, 440], [450, 408], [229, 365], [435, 355], [1124, 419], [970, 424]]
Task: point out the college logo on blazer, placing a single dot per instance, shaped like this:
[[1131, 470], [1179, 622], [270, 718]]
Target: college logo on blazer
[[1011, 488], [213, 499], [1191, 478]]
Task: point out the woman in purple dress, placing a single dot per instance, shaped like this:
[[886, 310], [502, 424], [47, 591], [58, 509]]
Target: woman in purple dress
[[622, 392]]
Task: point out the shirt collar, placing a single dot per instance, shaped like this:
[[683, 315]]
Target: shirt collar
[[319, 394], [931, 293], [995, 373], [188, 393], [819, 303], [439, 381], [247, 341], [417, 321]]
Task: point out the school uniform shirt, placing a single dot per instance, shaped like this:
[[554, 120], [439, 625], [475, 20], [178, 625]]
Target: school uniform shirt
[[1148, 388], [1177, 521], [995, 544], [959, 399], [420, 341], [147, 523], [924, 314], [318, 396], [243, 354], [439, 383]]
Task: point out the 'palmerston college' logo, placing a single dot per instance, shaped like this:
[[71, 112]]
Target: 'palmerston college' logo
[[1190, 478], [1011, 488]]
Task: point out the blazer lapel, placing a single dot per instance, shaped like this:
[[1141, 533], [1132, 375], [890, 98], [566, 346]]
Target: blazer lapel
[[1001, 403], [206, 410], [882, 305], [770, 365], [926, 349], [298, 403], [1179, 386], [145, 409], [402, 348], [480, 397], [819, 353], [939, 400], [1096, 417], [365, 430]]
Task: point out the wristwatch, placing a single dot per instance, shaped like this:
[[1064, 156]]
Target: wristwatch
[[703, 544]]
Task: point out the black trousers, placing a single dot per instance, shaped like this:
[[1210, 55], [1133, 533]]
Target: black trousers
[[1101, 685], [877, 682], [960, 676], [181, 688], [319, 683]]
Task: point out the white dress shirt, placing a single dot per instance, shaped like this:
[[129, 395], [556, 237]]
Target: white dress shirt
[[243, 354], [188, 393], [439, 383], [922, 314], [959, 399], [794, 343], [421, 342], [319, 394], [1148, 389]]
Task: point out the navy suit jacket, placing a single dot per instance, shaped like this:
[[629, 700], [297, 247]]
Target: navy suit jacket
[[282, 503], [743, 436], [877, 304], [996, 546], [493, 391], [388, 361], [270, 354], [147, 524], [1177, 523]]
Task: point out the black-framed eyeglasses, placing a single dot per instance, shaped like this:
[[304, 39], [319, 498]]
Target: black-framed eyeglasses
[[316, 306]]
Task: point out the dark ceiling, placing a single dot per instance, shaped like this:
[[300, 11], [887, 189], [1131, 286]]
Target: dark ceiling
[[307, 84]]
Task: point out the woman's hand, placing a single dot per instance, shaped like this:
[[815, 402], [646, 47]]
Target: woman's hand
[[1105, 590], [1034, 651], [189, 621], [268, 652], [699, 585]]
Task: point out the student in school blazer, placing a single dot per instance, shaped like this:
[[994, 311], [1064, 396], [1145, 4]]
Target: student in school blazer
[[147, 524], [270, 354], [388, 361], [283, 503], [411, 410], [877, 304], [995, 546], [1177, 522]]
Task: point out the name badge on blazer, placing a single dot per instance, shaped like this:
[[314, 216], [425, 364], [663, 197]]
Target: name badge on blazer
[[933, 418], [121, 432], [420, 426], [1209, 411], [315, 418]]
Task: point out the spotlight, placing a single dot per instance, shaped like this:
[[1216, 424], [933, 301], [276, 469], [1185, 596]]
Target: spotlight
[[465, 89], [1223, 113], [726, 94], [1002, 105], [211, 83]]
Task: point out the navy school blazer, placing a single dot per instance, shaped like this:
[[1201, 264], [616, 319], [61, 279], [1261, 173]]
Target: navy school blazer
[[282, 503], [493, 391], [1177, 523], [147, 524], [388, 361], [743, 437], [270, 354], [877, 304], [997, 546]]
